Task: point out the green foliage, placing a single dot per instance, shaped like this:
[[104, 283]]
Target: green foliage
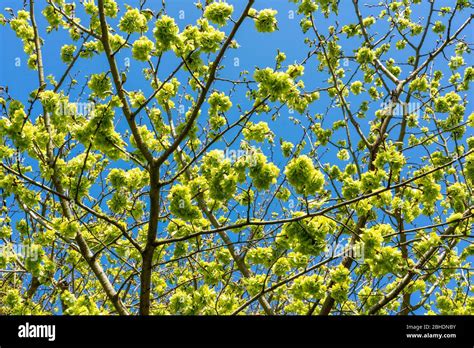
[[265, 20], [181, 205], [263, 173], [258, 132], [218, 12], [67, 53], [165, 32], [365, 55], [133, 21], [219, 103], [142, 49], [230, 191], [303, 176], [100, 85], [308, 236]]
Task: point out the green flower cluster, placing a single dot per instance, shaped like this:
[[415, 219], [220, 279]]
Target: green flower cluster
[[210, 38], [327, 6], [322, 134], [116, 42], [365, 55], [439, 27], [446, 102], [21, 25], [307, 236], [84, 305], [110, 8], [371, 180], [276, 84], [23, 30], [91, 8], [50, 101], [216, 121], [261, 256], [168, 91], [343, 155], [67, 228], [131, 180], [307, 7], [340, 276], [303, 176], [368, 296], [194, 302], [67, 53], [452, 104], [100, 85], [456, 62], [5, 231], [391, 156], [265, 20], [142, 48], [281, 266], [34, 260], [262, 173], [165, 32], [179, 228], [187, 42], [218, 12], [381, 260], [255, 284], [222, 180], [120, 203], [213, 272], [33, 61], [287, 148], [181, 203], [11, 127], [279, 85], [419, 84], [257, 131], [431, 193], [458, 196], [137, 98], [452, 302], [283, 194], [133, 21], [100, 131], [218, 103], [308, 287], [356, 87], [53, 17], [387, 260]]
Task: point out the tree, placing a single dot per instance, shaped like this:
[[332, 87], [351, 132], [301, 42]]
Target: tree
[[178, 197]]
